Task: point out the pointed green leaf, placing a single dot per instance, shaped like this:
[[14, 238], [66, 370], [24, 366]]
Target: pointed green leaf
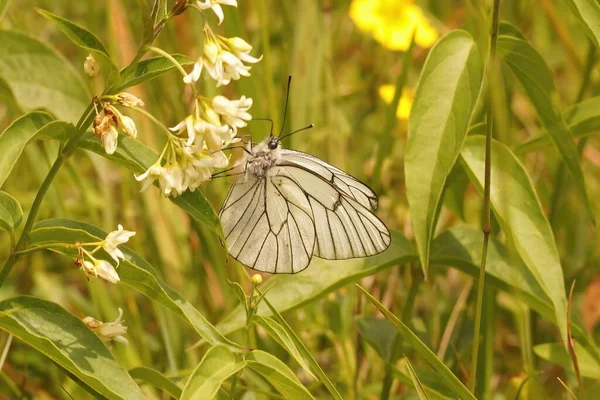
[[217, 365], [11, 212], [24, 66], [521, 217], [149, 69], [64, 338], [556, 353], [588, 12], [134, 271], [304, 352], [416, 382], [448, 89], [322, 277], [538, 81], [583, 119], [278, 374], [136, 157], [421, 348], [87, 41], [156, 379], [278, 333], [461, 248], [32, 126]]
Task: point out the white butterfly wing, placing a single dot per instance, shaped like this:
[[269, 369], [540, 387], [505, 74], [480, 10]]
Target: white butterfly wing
[[268, 223], [345, 225], [343, 182]]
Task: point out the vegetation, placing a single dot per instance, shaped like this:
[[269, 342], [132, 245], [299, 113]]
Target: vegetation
[[474, 121]]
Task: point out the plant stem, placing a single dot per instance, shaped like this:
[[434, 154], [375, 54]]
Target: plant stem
[[84, 121], [486, 226]]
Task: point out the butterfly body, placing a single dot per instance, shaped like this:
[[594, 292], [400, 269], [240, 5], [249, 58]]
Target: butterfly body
[[289, 206]]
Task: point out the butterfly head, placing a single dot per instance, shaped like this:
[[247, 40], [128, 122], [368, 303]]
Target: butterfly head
[[273, 143]]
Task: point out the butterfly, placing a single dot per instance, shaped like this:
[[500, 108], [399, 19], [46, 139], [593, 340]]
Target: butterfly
[[288, 206]]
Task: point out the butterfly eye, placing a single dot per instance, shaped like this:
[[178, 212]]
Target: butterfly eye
[[273, 144]]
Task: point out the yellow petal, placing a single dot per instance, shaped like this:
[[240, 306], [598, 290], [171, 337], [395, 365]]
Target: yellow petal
[[386, 92], [362, 12]]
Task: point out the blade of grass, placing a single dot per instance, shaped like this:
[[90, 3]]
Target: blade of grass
[[413, 340], [304, 351]]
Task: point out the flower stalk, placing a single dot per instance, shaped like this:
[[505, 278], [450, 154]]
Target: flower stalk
[[486, 225]]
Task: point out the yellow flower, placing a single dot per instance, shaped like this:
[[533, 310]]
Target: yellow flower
[[392, 22], [386, 92]]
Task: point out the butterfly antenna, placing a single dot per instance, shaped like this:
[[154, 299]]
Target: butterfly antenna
[[299, 130], [287, 98], [266, 119]]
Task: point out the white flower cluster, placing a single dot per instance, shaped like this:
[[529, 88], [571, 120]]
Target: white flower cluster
[[195, 148], [223, 59], [102, 268]]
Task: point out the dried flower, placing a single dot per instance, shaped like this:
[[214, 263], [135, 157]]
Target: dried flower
[[129, 100]]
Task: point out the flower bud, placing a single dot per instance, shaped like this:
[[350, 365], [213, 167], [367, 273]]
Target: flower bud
[[90, 66], [238, 44], [129, 100], [257, 279], [128, 126], [211, 50]]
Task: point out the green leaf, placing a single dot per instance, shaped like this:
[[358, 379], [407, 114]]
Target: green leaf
[[438, 123], [380, 334], [64, 338], [147, 21], [536, 78], [279, 334], [217, 365], [320, 278], [521, 217], [421, 348], [148, 69], [556, 353], [588, 13], [134, 271], [156, 379], [24, 66], [87, 41], [416, 382], [461, 248], [136, 157], [32, 126], [583, 119], [278, 374], [11, 212]]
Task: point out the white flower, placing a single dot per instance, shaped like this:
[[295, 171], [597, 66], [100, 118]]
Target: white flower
[[128, 126], [108, 330], [216, 7], [241, 49], [102, 269], [90, 66], [129, 100], [188, 124], [195, 74], [110, 139], [106, 271], [154, 172], [114, 239], [233, 112]]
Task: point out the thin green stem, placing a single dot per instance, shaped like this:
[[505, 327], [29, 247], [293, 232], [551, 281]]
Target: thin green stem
[[153, 119], [5, 350], [168, 57], [486, 225]]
